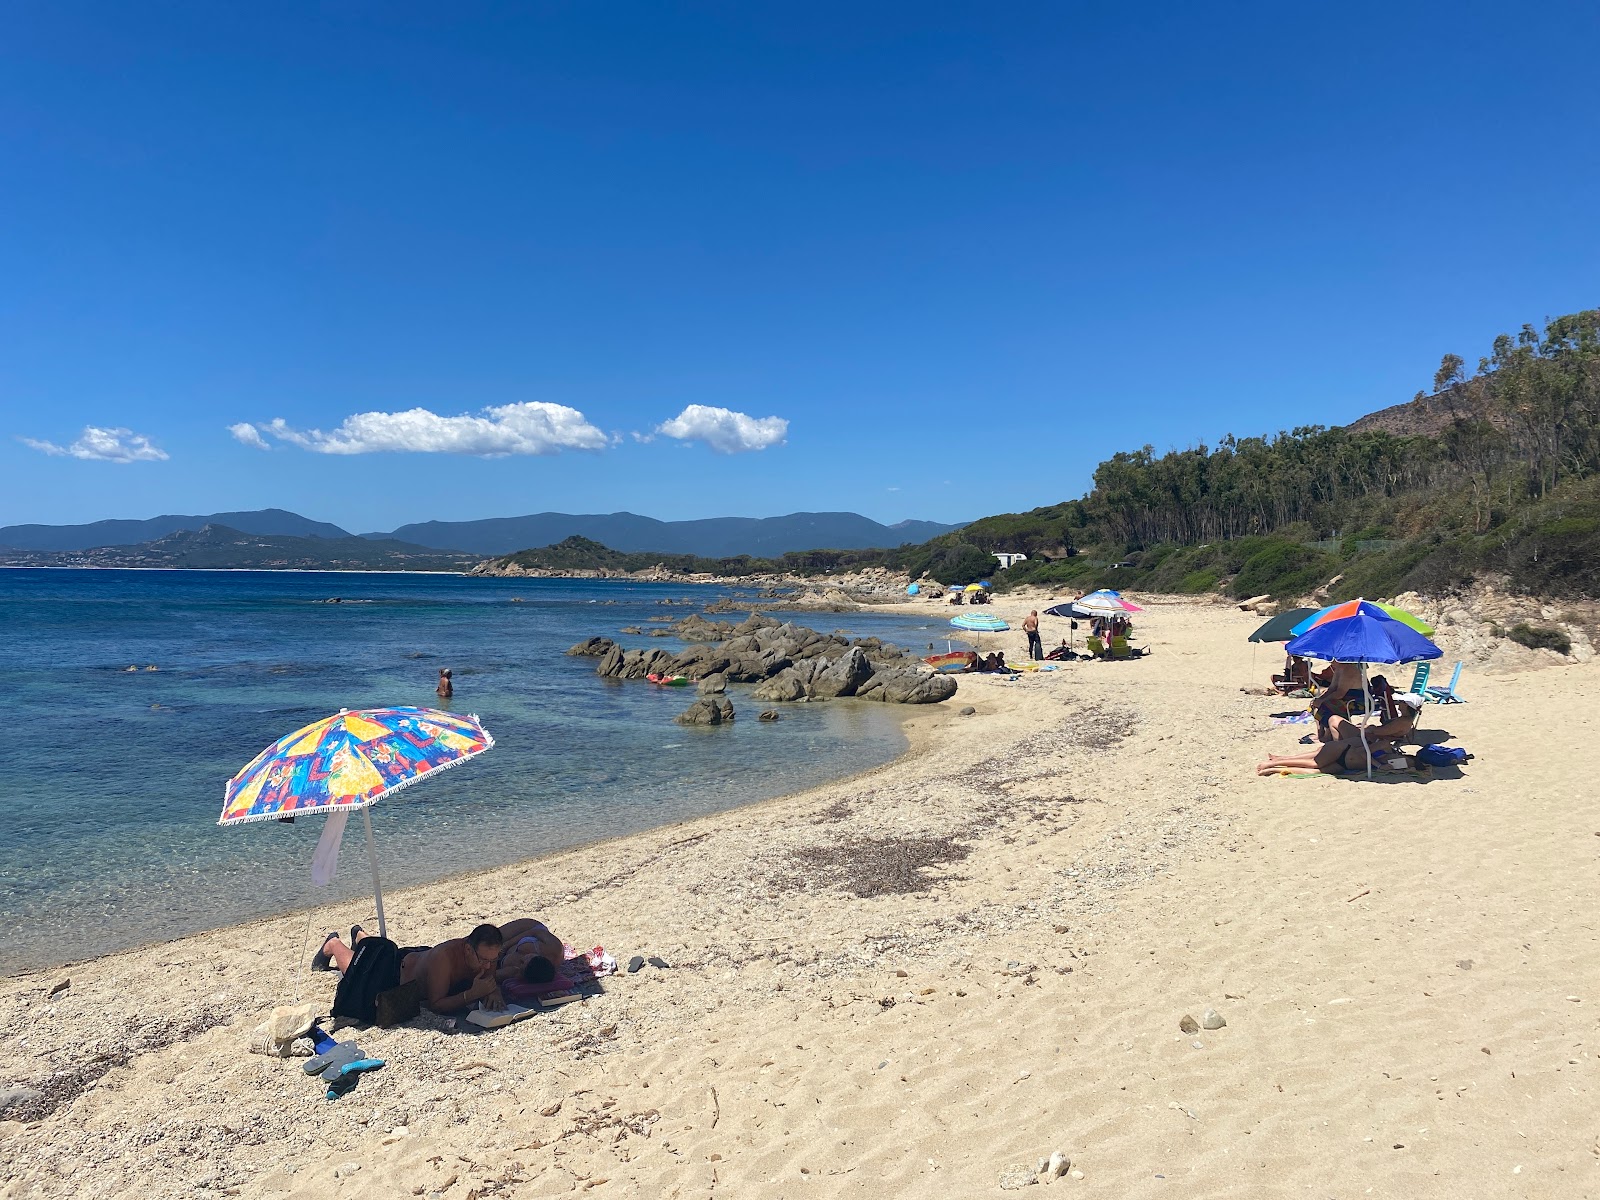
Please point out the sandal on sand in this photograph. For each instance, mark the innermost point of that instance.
(320, 960)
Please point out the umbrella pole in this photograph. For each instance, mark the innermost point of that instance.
(1367, 712)
(372, 860)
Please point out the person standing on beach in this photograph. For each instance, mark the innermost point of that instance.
(1030, 626)
(446, 689)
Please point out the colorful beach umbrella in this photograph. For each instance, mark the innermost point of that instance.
(1366, 635)
(1372, 608)
(1281, 627)
(350, 761)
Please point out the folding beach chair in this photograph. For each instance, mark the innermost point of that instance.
(1119, 647)
(1448, 694)
(1419, 681)
(1096, 647)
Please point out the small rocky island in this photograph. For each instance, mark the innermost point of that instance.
(787, 662)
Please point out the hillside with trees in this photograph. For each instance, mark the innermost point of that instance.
(1496, 472)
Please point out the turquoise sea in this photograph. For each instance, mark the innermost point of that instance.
(112, 779)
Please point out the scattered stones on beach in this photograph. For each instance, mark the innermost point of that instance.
(966, 711)
(1188, 1024)
(59, 988)
(1211, 1019)
(1056, 1166)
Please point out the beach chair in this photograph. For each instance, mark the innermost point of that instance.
(1119, 647)
(1446, 694)
(1096, 646)
(1419, 681)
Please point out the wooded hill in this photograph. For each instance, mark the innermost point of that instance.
(1497, 473)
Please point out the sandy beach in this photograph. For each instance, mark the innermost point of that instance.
(919, 980)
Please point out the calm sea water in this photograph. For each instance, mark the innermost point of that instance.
(111, 782)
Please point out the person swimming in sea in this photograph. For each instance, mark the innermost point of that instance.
(446, 689)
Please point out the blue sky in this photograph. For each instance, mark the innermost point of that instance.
(923, 260)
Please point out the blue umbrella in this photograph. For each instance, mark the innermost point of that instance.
(1369, 635)
(979, 624)
(1364, 638)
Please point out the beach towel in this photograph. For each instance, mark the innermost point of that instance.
(581, 970)
(375, 968)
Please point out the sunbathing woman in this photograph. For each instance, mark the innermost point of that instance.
(1331, 757)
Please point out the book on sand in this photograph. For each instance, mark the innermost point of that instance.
(494, 1018)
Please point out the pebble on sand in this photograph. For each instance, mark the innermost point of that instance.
(1211, 1019)
(1019, 1176)
(1188, 1024)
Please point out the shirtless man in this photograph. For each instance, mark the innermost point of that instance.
(454, 975)
(458, 973)
(1030, 626)
(446, 688)
(531, 952)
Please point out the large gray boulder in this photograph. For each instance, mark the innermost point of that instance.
(708, 710)
(843, 676)
(713, 685)
(785, 685)
(610, 664)
(908, 686)
(595, 647)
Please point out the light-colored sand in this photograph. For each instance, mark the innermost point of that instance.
(1410, 973)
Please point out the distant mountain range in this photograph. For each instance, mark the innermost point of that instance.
(717, 537)
(218, 547)
(271, 521)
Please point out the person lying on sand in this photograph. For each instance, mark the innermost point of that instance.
(454, 975)
(531, 952)
(1331, 757)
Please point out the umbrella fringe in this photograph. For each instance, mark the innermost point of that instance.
(488, 744)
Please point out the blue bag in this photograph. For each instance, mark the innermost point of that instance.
(1442, 756)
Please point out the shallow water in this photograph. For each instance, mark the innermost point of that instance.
(112, 783)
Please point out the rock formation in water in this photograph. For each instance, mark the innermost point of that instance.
(787, 662)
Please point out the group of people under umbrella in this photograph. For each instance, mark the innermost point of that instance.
(1351, 637)
(1110, 625)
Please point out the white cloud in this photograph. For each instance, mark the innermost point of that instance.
(104, 445)
(529, 428)
(724, 430)
(249, 435)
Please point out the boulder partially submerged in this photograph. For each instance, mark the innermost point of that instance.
(787, 662)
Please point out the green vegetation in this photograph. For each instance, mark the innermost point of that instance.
(1541, 637)
(1497, 473)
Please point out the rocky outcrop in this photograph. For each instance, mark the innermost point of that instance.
(708, 710)
(786, 662)
(908, 686)
(843, 676)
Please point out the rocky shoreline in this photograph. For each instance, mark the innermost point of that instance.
(786, 662)
(784, 592)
